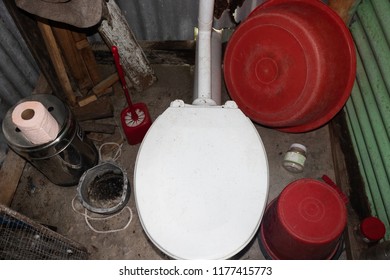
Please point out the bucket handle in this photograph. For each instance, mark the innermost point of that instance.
(333, 185)
(87, 218)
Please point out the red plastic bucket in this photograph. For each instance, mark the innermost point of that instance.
(291, 65)
(305, 222)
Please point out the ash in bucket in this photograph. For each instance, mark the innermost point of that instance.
(105, 191)
(104, 188)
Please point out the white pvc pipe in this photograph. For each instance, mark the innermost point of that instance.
(196, 90)
(216, 65)
(203, 68)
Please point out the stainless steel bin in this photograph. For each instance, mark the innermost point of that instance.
(62, 160)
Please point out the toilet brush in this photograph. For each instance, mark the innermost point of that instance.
(135, 118)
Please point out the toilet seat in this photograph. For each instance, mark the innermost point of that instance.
(201, 181)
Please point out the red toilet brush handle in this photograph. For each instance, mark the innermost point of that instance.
(121, 75)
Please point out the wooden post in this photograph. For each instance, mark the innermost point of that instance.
(58, 63)
(73, 59)
(115, 30)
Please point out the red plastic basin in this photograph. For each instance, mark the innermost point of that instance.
(291, 65)
(305, 222)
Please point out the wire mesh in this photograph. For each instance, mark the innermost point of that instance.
(23, 239)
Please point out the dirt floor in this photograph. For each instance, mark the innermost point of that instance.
(39, 199)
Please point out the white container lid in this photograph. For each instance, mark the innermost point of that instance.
(299, 146)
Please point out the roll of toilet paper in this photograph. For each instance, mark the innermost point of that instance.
(35, 122)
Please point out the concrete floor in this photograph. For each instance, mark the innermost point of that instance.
(49, 204)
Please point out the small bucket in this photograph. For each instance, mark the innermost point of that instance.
(104, 189)
(305, 222)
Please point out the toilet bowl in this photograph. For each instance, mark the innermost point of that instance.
(201, 173)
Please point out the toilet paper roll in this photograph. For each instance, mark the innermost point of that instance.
(35, 122)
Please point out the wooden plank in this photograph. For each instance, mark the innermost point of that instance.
(99, 109)
(185, 45)
(88, 57)
(10, 174)
(56, 58)
(86, 100)
(73, 58)
(157, 52)
(101, 88)
(115, 30)
(93, 126)
(82, 44)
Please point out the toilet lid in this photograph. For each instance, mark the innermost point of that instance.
(201, 182)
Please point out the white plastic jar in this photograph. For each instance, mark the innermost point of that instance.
(294, 159)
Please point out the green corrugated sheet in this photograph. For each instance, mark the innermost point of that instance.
(368, 109)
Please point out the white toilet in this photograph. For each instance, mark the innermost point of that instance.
(201, 179)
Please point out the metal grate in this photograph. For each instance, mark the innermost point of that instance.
(24, 239)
